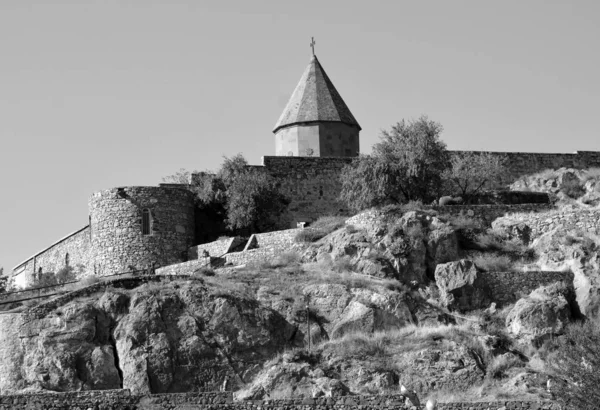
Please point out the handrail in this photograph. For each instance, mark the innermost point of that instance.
(6, 302)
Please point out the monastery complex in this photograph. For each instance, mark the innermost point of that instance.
(131, 228)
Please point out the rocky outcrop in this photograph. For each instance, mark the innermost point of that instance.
(460, 286)
(407, 248)
(580, 253)
(292, 375)
(542, 314)
(564, 183)
(176, 337)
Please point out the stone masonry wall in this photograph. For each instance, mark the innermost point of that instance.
(216, 248)
(567, 220)
(116, 224)
(123, 399)
(185, 268)
(484, 213)
(524, 163)
(74, 249)
(280, 240)
(508, 287)
(311, 183)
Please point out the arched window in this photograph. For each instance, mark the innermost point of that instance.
(67, 259)
(146, 221)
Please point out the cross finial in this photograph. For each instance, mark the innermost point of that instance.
(312, 45)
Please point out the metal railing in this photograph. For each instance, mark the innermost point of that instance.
(40, 289)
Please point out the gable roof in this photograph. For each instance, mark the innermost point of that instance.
(315, 99)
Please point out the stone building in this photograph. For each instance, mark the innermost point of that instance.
(133, 228)
(316, 122)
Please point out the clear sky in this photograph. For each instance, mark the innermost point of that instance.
(105, 93)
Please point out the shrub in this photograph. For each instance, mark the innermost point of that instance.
(329, 223)
(498, 366)
(342, 264)
(309, 235)
(572, 189)
(320, 228)
(280, 261)
(351, 229)
(205, 271)
(493, 262)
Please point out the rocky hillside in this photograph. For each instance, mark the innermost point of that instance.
(392, 297)
(567, 184)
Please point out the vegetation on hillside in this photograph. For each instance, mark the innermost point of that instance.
(3, 280)
(411, 163)
(243, 197)
(573, 363)
(470, 172)
(405, 165)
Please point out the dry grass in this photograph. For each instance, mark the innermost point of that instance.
(493, 262)
(320, 228)
(463, 222)
(289, 280)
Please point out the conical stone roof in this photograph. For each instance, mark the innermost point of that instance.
(315, 99)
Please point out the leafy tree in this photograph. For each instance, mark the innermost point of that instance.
(245, 197)
(180, 177)
(254, 202)
(407, 164)
(3, 281)
(470, 172)
(574, 366)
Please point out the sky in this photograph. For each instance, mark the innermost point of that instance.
(107, 93)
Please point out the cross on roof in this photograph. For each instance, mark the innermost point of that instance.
(312, 45)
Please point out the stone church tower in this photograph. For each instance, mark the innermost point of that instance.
(316, 122)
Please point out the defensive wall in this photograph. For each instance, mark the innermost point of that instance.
(484, 213)
(72, 250)
(524, 163)
(567, 220)
(113, 241)
(215, 248)
(123, 399)
(313, 184)
(508, 287)
(137, 227)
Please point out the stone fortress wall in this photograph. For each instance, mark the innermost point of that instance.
(313, 185)
(116, 217)
(73, 250)
(568, 220)
(508, 287)
(114, 243)
(123, 399)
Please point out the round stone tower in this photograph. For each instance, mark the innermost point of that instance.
(316, 121)
(137, 227)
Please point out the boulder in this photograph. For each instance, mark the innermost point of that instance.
(511, 229)
(542, 314)
(460, 286)
(407, 249)
(358, 318)
(579, 253)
